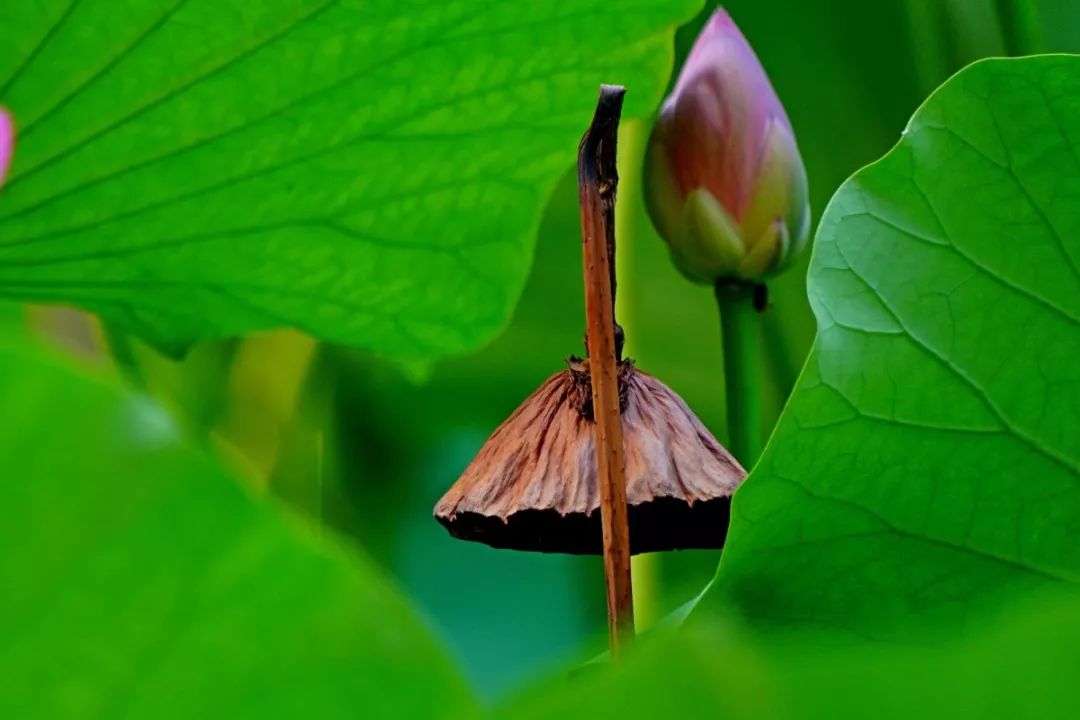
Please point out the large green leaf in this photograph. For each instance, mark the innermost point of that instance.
(926, 468)
(372, 172)
(141, 581)
(1023, 667)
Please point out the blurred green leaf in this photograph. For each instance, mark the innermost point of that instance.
(1024, 668)
(370, 172)
(926, 468)
(1059, 24)
(141, 581)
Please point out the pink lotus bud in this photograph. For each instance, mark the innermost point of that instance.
(7, 142)
(724, 181)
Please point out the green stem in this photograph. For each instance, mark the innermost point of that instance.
(742, 373)
(930, 42)
(1021, 27)
(631, 149)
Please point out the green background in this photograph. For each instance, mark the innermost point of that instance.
(370, 438)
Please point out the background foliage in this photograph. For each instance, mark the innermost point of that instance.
(194, 170)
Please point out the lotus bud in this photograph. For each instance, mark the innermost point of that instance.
(7, 142)
(724, 182)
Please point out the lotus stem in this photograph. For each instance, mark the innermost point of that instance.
(740, 304)
(1020, 27)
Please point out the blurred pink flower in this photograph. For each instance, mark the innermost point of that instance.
(724, 180)
(7, 142)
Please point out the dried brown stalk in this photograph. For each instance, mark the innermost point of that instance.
(597, 182)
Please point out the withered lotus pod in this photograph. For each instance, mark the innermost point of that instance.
(533, 485)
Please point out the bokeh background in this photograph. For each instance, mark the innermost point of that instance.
(364, 446)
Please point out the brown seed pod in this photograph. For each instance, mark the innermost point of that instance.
(533, 484)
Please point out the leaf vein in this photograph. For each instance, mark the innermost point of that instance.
(42, 43)
(979, 392)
